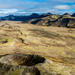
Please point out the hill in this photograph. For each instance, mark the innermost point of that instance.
(46, 19)
(64, 20)
(55, 44)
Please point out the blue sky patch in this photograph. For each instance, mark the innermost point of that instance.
(37, 6)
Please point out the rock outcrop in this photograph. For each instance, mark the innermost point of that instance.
(21, 61)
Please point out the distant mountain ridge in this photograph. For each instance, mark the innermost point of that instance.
(47, 19)
(73, 15)
(21, 17)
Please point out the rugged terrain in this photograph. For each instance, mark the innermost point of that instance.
(45, 19)
(55, 44)
(65, 20)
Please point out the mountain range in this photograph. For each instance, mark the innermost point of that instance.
(47, 19)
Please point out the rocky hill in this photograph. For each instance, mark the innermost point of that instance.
(65, 20)
(45, 21)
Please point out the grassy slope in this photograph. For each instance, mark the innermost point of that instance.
(56, 44)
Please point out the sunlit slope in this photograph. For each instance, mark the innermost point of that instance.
(56, 44)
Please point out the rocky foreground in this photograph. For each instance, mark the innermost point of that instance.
(22, 44)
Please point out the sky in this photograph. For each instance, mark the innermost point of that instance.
(36, 6)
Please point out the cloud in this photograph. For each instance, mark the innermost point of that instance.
(38, 6)
(17, 4)
(6, 11)
(73, 6)
(63, 1)
(62, 7)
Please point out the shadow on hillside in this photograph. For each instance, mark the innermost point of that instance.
(24, 62)
(43, 33)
